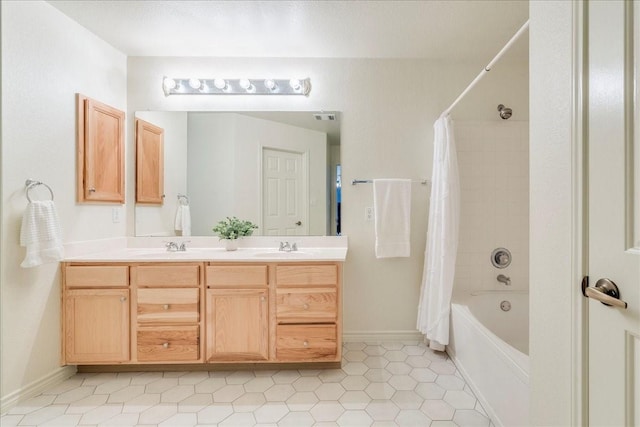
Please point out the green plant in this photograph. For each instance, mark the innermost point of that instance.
(233, 228)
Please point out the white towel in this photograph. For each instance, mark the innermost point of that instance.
(40, 233)
(183, 220)
(392, 215)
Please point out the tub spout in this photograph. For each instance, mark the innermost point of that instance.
(504, 279)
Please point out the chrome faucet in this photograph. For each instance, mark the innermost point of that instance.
(172, 247)
(504, 279)
(286, 247)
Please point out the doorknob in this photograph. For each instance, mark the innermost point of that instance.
(299, 223)
(604, 291)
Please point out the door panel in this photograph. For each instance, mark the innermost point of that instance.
(283, 193)
(614, 332)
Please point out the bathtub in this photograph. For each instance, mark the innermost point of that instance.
(490, 348)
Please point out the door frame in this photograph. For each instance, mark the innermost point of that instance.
(558, 382)
(305, 182)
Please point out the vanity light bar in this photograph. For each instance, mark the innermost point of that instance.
(191, 86)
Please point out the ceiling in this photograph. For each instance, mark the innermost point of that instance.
(453, 30)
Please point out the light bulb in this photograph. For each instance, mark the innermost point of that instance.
(220, 84)
(270, 84)
(245, 84)
(295, 84)
(195, 83)
(169, 83)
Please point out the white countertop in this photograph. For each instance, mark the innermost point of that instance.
(214, 254)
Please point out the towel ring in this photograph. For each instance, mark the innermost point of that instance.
(181, 197)
(30, 183)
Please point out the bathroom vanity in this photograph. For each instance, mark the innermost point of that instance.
(203, 306)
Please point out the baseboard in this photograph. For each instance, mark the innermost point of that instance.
(381, 336)
(36, 387)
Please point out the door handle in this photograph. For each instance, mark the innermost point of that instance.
(604, 291)
(299, 223)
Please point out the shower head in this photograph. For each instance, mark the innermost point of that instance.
(505, 112)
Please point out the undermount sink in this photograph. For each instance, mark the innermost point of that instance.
(163, 253)
(279, 254)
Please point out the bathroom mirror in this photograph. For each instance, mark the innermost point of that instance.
(280, 170)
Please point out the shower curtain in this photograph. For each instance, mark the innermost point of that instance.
(442, 239)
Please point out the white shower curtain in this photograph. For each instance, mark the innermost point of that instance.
(442, 239)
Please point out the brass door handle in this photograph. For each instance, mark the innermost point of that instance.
(604, 291)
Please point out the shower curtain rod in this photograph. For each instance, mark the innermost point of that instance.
(488, 67)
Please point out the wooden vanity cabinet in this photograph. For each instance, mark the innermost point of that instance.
(199, 312)
(167, 326)
(237, 312)
(95, 314)
(308, 314)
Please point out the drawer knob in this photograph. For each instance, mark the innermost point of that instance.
(165, 345)
(306, 343)
(166, 306)
(123, 299)
(306, 306)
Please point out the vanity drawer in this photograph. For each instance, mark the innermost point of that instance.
(306, 342)
(163, 305)
(168, 343)
(307, 275)
(96, 276)
(306, 305)
(166, 275)
(220, 276)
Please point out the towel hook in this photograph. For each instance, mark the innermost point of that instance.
(31, 183)
(183, 198)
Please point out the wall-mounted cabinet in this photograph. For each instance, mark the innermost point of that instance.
(149, 163)
(100, 152)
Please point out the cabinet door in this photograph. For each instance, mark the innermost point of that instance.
(100, 152)
(149, 163)
(237, 324)
(96, 325)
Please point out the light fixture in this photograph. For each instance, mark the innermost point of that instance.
(219, 86)
(270, 84)
(195, 83)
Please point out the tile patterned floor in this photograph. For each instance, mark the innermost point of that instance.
(380, 384)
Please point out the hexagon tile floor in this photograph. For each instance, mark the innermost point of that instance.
(380, 384)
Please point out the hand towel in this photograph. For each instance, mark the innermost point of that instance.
(40, 233)
(183, 220)
(392, 217)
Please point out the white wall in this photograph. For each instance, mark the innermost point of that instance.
(388, 109)
(46, 59)
(159, 220)
(211, 150)
(493, 159)
(551, 222)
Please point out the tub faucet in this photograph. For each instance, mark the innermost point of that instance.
(504, 279)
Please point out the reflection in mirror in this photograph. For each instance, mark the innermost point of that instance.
(280, 170)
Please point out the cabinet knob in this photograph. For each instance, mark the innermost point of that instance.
(306, 343)
(306, 306)
(262, 298)
(92, 190)
(123, 299)
(165, 345)
(166, 306)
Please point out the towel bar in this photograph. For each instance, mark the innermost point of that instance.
(31, 183)
(370, 181)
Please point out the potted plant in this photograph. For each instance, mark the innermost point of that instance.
(231, 229)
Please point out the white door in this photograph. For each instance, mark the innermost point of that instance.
(283, 193)
(613, 216)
